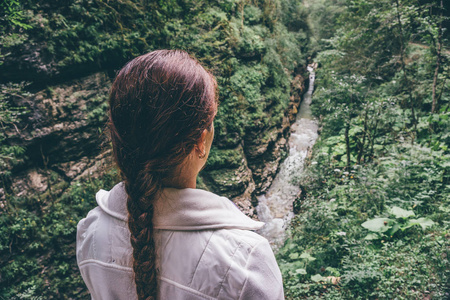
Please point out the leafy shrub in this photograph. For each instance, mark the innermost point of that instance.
(37, 241)
(10, 154)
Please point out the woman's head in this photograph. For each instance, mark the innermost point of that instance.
(162, 106)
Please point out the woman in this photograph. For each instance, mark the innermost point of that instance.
(154, 236)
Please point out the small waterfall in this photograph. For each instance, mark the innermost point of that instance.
(275, 208)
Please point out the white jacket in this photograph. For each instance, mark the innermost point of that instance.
(205, 249)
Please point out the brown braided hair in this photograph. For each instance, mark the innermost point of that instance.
(160, 104)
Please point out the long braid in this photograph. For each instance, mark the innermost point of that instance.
(142, 191)
(160, 103)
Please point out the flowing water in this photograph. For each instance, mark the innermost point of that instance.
(275, 208)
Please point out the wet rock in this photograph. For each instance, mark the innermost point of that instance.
(62, 123)
(265, 166)
(229, 182)
(28, 62)
(87, 166)
(246, 201)
(37, 183)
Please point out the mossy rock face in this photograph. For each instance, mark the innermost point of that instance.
(62, 122)
(228, 182)
(55, 40)
(224, 158)
(245, 45)
(40, 185)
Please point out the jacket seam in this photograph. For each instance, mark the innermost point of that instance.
(104, 264)
(186, 288)
(208, 227)
(246, 268)
(94, 240)
(228, 271)
(200, 259)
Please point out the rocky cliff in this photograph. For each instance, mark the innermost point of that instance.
(57, 62)
(63, 131)
(53, 126)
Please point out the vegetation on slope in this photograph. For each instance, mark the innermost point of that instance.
(373, 219)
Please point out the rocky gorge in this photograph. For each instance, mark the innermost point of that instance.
(57, 63)
(63, 131)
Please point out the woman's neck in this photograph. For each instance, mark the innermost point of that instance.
(181, 183)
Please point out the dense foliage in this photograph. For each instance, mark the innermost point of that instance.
(37, 241)
(372, 222)
(252, 47)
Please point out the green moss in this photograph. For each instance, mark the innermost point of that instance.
(224, 158)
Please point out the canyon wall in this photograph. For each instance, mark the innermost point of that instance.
(63, 131)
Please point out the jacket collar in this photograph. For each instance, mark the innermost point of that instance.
(182, 209)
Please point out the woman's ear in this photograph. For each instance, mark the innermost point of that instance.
(200, 147)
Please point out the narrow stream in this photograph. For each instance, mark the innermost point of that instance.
(275, 208)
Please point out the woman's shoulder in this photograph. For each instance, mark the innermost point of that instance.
(221, 247)
(103, 235)
(239, 241)
(218, 263)
(253, 268)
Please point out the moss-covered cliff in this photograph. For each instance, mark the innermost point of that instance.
(68, 55)
(57, 61)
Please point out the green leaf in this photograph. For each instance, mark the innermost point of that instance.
(444, 209)
(300, 271)
(372, 236)
(333, 271)
(400, 212)
(307, 256)
(394, 229)
(317, 278)
(423, 222)
(293, 255)
(377, 224)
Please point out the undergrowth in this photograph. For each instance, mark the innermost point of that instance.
(37, 241)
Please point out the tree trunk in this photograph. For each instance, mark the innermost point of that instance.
(361, 149)
(347, 143)
(372, 137)
(405, 76)
(438, 62)
(443, 84)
